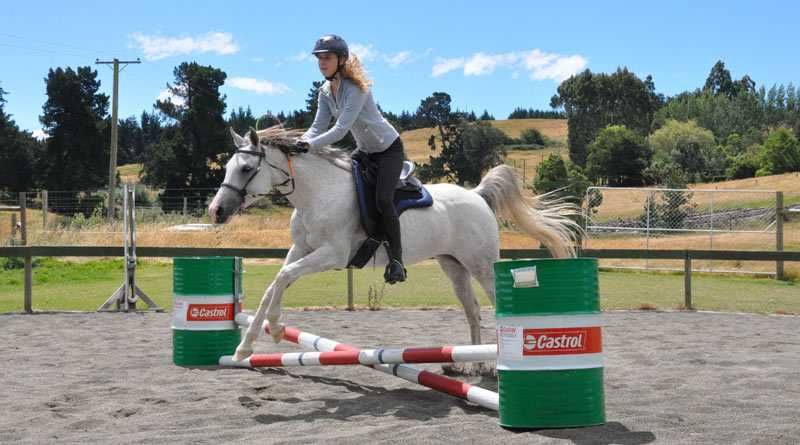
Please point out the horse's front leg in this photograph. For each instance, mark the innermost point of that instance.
(245, 348)
(325, 258)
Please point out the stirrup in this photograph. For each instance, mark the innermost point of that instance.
(395, 272)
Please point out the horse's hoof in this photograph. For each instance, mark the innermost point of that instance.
(277, 331)
(479, 369)
(242, 353)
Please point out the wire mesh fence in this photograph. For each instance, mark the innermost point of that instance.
(166, 217)
(651, 218)
(617, 218)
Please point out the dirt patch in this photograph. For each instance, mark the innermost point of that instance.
(669, 378)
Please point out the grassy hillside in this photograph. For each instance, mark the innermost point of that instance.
(129, 172)
(416, 145)
(626, 204)
(553, 129)
(416, 141)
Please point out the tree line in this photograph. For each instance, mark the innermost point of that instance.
(183, 143)
(622, 132)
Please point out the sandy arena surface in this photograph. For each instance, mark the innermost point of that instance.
(108, 378)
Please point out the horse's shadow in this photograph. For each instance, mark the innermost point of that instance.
(371, 400)
(420, 405)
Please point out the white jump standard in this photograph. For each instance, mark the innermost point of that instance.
(483, 397)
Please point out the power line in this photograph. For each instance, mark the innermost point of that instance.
(56, 44)
(41, 50)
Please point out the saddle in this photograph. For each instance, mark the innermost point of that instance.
(409, 193)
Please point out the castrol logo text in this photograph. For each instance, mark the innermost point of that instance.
(210, 312)
(555, 341)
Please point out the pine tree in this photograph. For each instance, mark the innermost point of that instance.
(242, 120)
(312, 102)
(77, 149)
(17, 154)
(193, 153)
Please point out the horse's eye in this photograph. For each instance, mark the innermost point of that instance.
(247, 169)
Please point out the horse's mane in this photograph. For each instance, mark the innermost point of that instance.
(284, 139)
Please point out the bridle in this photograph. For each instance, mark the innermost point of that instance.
(262, 158)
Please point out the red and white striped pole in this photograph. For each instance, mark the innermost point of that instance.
(483, 397)
(443, 354)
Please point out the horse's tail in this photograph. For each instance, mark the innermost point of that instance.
(545, 217)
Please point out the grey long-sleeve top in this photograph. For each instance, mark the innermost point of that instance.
(355, 111)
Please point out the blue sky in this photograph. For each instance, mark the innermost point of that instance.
(487, 55)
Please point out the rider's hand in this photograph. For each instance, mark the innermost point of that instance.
(358, 155)
(301, 146)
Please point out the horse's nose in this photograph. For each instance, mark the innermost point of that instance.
(219, 215)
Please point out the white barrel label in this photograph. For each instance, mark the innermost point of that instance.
(203, 313)
(549, 342)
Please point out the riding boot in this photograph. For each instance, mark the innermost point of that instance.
(395, 271)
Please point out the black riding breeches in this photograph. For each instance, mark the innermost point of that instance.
(390, 164)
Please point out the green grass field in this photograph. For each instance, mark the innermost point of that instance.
(83, 286)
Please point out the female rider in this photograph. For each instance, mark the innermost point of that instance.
(346, 96)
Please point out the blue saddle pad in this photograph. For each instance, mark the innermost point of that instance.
(404, 198)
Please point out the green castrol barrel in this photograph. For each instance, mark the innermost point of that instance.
(549, 337)
(206, 297)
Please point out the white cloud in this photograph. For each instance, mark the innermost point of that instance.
(481, 64)
(368, 52)
(560, 68)
(40, 134)
(167, 96)
(539, 64)
(364, 52)
(299, 57)
(399, 59)
(257, 59)
(160, 47)
(258, 86)
(536, 59)
(443, 66)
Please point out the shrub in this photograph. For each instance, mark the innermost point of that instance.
(532, 136)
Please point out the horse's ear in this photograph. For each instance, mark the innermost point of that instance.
(253, 137)
(238, 141)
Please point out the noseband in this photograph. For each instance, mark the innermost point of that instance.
(242, 192)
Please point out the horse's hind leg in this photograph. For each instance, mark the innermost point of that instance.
(462, 284)
(460, 277)
(483, 271)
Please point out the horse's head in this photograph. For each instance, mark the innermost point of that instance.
(247, 178)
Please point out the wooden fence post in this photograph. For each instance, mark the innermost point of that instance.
(779, 233)
(44, 209)
(23, 210)
(687, 281)
(350, 292)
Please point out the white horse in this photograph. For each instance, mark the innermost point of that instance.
(460, 230)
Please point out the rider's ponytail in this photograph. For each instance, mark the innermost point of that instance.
(354, 71)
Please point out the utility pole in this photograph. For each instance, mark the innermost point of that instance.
(112, 162)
